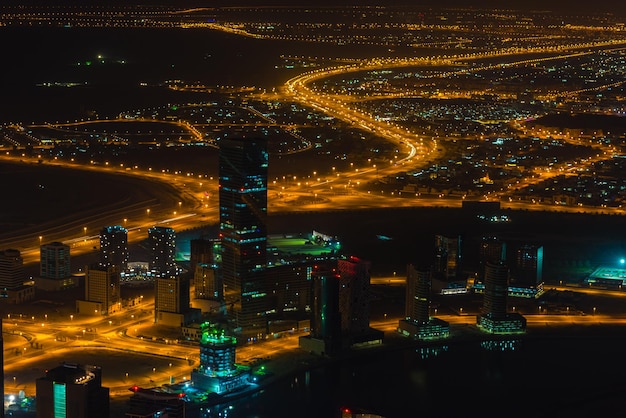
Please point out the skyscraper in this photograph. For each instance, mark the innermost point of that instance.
(325, 316)
(11, 269)
(243, 227)
(217, 371)
(54, 260)
(417, 322)
(201, 252)
(72, 391)
(162, 244)
(492, 250)
(496, 290)
(448, 256)
(206, 284)
(171, 299)
(494, 317)
(102, 290)
(114, 247)
(528, 270)
(418, 294)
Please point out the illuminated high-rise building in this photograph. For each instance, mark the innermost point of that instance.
(203, 262)
(114, 247)
(448, 257)
(496, 289)
(72, 391)
(54, 261)
(171, 299)
(217, 371)
(206, 284)
(325, 315)
(162, 244)
(243, 228)
(417, 304)
(102, 290)
(494, 317)
(11, 269)
(417, 322)
(354, 295)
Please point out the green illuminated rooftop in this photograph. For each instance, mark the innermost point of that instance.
(214, 335)
(302, 244)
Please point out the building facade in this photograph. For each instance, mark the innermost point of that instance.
(114, 247)
(72, 391)
(54, 261)
(11, 269)
(494, 317)
(162, 244)
(417, 304)
(243, 228)
(447, 257)
(102, 290)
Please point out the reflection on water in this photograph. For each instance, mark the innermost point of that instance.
(477, 378)
(501, 345)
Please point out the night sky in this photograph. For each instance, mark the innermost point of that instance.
(574, 6)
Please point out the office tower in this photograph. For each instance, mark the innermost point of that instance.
(171, 296)
(354, 295)
(201, 252)
(417, 322)
(418, 294)
(114, 247)
(72, 391)
(496, 289)
(54, 260)
(494, 317)
(447, 257)
(102, 290)
(217, 350)
(206, 284)
(11, 269)
(162, 244)
(325, 316)
(528, 270)
(217, 371)
(492, 250)
(243, 227)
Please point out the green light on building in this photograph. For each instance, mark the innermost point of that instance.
(213, 335)
(59, 402)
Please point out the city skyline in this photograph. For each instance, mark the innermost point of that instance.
(460, 164)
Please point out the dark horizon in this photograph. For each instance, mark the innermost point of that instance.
(574, 7)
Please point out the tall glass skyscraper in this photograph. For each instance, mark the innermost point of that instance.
(243, 227)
